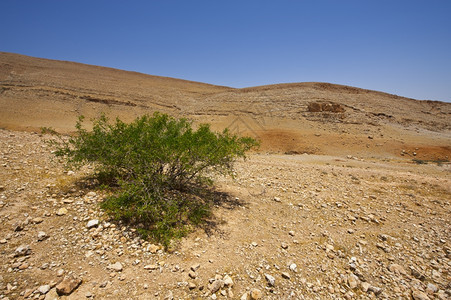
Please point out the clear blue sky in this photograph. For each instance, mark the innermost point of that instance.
(396, 46)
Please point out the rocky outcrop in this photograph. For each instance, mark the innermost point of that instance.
(325, 107)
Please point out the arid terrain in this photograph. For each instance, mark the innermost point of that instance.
(315, 118)
(348, 197)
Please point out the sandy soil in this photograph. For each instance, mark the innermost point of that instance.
(324, 227)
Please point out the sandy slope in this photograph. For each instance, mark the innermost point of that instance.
(302, 118)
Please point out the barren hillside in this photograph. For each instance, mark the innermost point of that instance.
(317, 118)
(349, 197)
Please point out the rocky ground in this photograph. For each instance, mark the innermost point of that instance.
(292, 227)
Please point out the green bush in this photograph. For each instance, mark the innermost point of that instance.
(159, 164)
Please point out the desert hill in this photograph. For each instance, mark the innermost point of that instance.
(309, 117)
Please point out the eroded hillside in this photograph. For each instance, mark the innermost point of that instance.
(295, 118)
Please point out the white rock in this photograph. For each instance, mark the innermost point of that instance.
(216, 286)
(228, 281)
(42, 236)
(271, 280)
(61, 211)
(353, 281)
(91, 194)
(150, 267)
(22, 250)
(92, 223)
(44, 289)
(116, 267)
(245, 296)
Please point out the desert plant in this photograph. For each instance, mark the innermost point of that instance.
(159, 165)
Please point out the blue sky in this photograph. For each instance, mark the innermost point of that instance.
(395, 46)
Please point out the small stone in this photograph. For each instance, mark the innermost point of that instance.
(191, 285)
(353, 281)
(24, 266)
(284, 245)
(228, 282)
(286, 275)
(3, 241)
(216, 285)
(115, 267)
(150, 267)
(436, 275)
(431, 288)
(27, 293)
(42, 236)
(60, 273)
(376, 290)
(245, 296)
(417, 295)
(52, 295)
(91, 194)
(92, 223)
(397, 269)
(291, 232)
(153, 248)
(271, 280)
(44, 289)
(62, 211)
(195, 267)
(255, 294)
(383, 237)
(18, 227)
(364, 286)
(293, 267)
(22, 251)
(37, 220)
(383, 247)
(192, 274)
(68, 285)
(277, 199)
(417, 274)
(88, 295)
